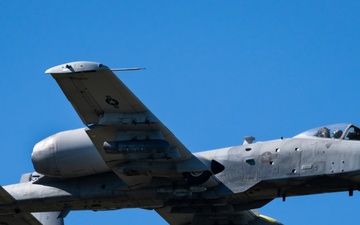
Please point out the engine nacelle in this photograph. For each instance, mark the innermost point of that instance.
(68, 154)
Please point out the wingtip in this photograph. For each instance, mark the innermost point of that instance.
(74, 67)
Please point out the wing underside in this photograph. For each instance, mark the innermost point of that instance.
(246, 217)
(143, 152)
(129, 137)
(10, 214)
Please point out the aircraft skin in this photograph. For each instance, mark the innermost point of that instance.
(126, 158)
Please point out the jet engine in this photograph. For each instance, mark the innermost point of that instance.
(68, 154)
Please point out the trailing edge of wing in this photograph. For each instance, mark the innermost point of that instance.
(251, 217)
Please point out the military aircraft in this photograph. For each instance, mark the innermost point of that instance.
(126, 158)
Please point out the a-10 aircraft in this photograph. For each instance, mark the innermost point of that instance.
(126, 158)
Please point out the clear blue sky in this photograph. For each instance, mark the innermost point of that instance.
(216, 71)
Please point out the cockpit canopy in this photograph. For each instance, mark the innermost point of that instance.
(336, 131)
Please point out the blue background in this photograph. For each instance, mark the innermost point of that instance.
(216, 71)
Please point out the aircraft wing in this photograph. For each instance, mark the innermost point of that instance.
(10, 214)
(251, 217)
(131, 140)
(142, 151)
